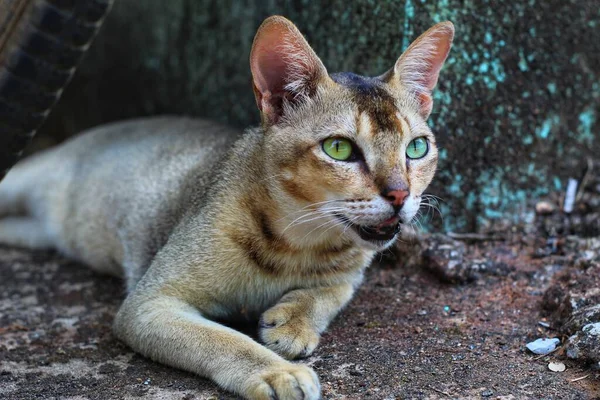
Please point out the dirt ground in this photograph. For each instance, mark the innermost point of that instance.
(437, 319)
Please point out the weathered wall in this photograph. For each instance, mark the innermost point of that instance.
(517, 105)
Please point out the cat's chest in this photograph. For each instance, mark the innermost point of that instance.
(256, 296)
(267, 287)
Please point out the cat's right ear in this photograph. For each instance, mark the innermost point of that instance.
(284, 67)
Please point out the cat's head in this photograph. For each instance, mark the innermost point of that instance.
(346, 155)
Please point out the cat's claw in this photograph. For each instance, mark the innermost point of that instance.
(286, 382)
(287, 333)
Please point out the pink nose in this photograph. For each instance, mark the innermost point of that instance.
(396, 197)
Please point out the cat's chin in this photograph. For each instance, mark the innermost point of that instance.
(375, 244)
(375, 237)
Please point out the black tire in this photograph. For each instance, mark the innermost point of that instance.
(41, 43)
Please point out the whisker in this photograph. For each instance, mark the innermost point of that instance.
(415, 221)
(420, 214)
(271, 177)
(338, 224)
(433, 208)
(349, 224)
(433, 196)
(307, 206)
(308, 214)
(433, 202)
(318, 213)
(322, 225)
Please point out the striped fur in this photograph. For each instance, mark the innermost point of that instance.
(207, 225)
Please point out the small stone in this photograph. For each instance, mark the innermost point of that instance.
(592, 329)
(543, 346)
(444, 257)
(487, 393)
(544, 208)
(585, 344)
(582, 317)
(556, 366)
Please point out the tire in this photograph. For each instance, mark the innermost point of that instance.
(41, 44)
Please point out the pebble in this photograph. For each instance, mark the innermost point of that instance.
(556, 366)
(543, 346)
(585, 344)
(444, 257)
(544, 208)
(487, 393)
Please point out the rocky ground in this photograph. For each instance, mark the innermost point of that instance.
(440, 317)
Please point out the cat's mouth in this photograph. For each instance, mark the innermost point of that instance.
(383, 232)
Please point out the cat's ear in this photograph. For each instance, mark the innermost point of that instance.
(284, 66)
(419, 66)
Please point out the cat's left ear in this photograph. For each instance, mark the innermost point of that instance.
(284, 66)
(419, 66)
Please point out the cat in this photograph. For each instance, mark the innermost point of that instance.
(276, 225)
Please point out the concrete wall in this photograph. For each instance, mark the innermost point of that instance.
(516, 110)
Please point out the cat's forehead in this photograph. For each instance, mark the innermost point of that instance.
(372, 99)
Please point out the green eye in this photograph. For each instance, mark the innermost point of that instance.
(417, 148)
(338, 148)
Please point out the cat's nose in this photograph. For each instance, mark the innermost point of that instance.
(395, 196)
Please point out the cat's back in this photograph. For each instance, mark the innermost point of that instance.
(125, 160)
(124, 184)
(156, 138)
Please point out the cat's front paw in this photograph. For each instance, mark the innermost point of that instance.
(285, 381)
(287, 332)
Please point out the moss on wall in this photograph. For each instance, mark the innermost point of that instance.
(516, 110)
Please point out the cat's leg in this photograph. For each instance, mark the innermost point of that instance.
(293, 326)
(134, 260)
(167, 329)
(24, 232)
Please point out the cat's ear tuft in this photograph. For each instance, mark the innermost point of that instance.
(284, 67)
(419, 67)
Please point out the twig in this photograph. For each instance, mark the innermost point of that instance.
(440, 391)
(580, 378)
(474, 236)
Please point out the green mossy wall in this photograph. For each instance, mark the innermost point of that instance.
(516, 111)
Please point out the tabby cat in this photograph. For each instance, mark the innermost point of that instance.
(276, 225)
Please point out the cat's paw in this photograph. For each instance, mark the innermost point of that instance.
(287, 332)
(285, 381)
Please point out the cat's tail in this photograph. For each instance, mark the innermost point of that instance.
(25, 202)
(16, 188)
(22, 192)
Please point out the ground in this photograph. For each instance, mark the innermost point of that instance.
(438, 318)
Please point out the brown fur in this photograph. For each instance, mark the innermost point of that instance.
(206, 225)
